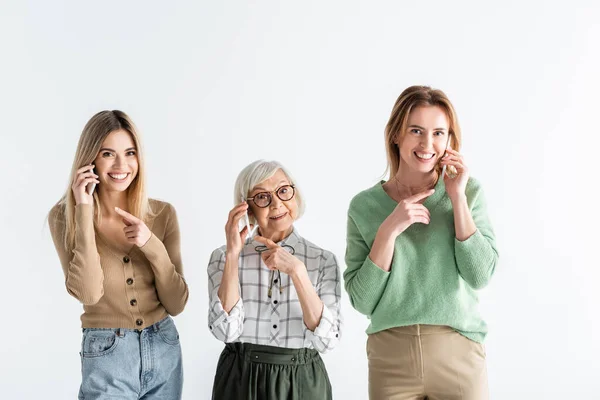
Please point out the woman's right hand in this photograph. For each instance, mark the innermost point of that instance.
(408, 211)
(235, 238)
(85, 176)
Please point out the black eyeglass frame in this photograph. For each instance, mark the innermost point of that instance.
(276, 191)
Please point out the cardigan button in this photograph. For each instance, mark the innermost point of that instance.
(133, 302)
(129, 281)
(125, 259)
(139, 322)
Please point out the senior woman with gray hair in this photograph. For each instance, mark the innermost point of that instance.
(274, 297)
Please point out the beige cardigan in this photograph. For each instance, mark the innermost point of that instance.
(122, 290)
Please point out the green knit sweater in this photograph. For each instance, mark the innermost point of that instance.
(434, 277)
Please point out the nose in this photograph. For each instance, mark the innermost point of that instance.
(119, 162)
(426, 141)
(275, 202)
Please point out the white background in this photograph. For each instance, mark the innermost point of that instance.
(214, 85)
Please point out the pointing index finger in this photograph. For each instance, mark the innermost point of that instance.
(267, 242)
(126, 215)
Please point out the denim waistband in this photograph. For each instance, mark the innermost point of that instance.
(122, 331)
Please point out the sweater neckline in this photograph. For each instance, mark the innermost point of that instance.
(431, 202)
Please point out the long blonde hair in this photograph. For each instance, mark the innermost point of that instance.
(410, 98)
(90, 142)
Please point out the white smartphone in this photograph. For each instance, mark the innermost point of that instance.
(247, 221)
(451, 171)
(91, 186)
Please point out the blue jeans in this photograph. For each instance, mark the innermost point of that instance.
(131, 364)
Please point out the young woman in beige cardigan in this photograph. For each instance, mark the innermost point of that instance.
(120, 253)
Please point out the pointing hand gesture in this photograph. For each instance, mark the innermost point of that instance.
(135, 229)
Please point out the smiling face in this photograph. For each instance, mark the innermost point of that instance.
(425, 139)
(117, 162)
(275, 221)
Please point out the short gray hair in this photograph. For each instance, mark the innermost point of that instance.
(259, 171)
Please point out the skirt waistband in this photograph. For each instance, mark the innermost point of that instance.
(271, 354)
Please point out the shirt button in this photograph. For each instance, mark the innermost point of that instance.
(274, 326)
(133, 302)
(125, 259)
(129, 281)
(275, 281)
(139, 322)
(274, 301)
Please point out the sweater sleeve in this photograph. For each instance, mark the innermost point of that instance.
(364, 281)
(81, 266)
(477, 256)
(165, 259)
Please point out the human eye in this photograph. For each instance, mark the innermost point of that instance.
(262, 196)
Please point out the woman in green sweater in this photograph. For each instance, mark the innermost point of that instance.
(419, 246)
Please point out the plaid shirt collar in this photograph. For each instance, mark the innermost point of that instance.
(291, 240)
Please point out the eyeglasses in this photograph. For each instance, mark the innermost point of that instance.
(264, 199)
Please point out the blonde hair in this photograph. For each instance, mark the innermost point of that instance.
(412, 97)
(90, 142)
(258, 172)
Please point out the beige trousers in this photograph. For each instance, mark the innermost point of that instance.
(421, 362)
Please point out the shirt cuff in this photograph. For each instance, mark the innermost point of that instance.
(326, 328)
(219, 315)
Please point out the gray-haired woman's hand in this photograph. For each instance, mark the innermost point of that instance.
(235, 237)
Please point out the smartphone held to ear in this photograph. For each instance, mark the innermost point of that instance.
(91, 186)
(247, 221)
(451, 171)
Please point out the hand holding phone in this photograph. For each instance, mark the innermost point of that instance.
(452, 173)
(247, 221)
(91, 186)
(81, 185)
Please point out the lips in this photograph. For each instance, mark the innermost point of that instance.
(120, 177)
(278, 216)
(424, 156)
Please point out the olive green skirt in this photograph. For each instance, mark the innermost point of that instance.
(255, 372)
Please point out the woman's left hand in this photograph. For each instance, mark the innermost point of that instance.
(278, 258)
(135, 229)
(455, 187)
